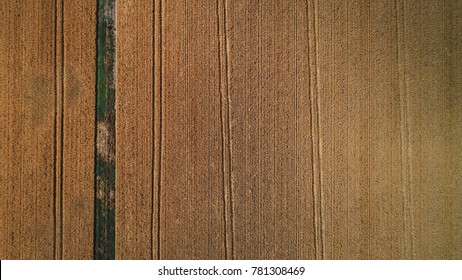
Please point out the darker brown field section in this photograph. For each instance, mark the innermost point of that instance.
(244, 129)
(47, 108)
